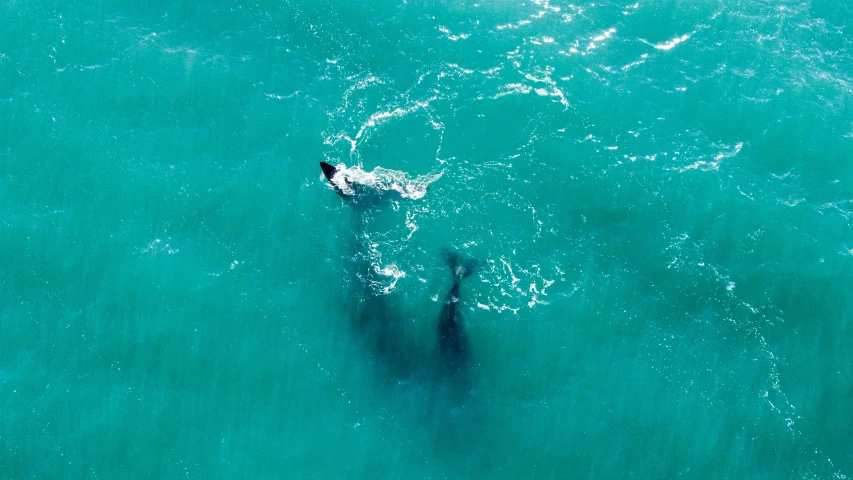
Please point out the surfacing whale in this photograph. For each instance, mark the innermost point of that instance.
(454, 351)
(376, 324)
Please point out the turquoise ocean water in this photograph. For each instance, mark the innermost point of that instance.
(660, 194)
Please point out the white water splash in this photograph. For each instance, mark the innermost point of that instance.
(383, 179)
(669, 45)
(393, 272)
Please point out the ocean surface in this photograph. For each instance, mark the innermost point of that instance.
(659, 194)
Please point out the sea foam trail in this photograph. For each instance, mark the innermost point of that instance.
(348, 179)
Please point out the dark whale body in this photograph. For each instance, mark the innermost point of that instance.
(454, 346)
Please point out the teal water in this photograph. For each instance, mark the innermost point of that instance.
(660, 193)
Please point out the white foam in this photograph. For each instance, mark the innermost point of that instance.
(391, 271)
(383, 179)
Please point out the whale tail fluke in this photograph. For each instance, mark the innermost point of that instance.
(460, 266)
(328, 170)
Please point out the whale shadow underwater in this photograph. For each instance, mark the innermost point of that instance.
(445, 369)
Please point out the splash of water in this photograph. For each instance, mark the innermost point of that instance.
(351, 180)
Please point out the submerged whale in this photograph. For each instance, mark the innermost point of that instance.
(454, 347)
